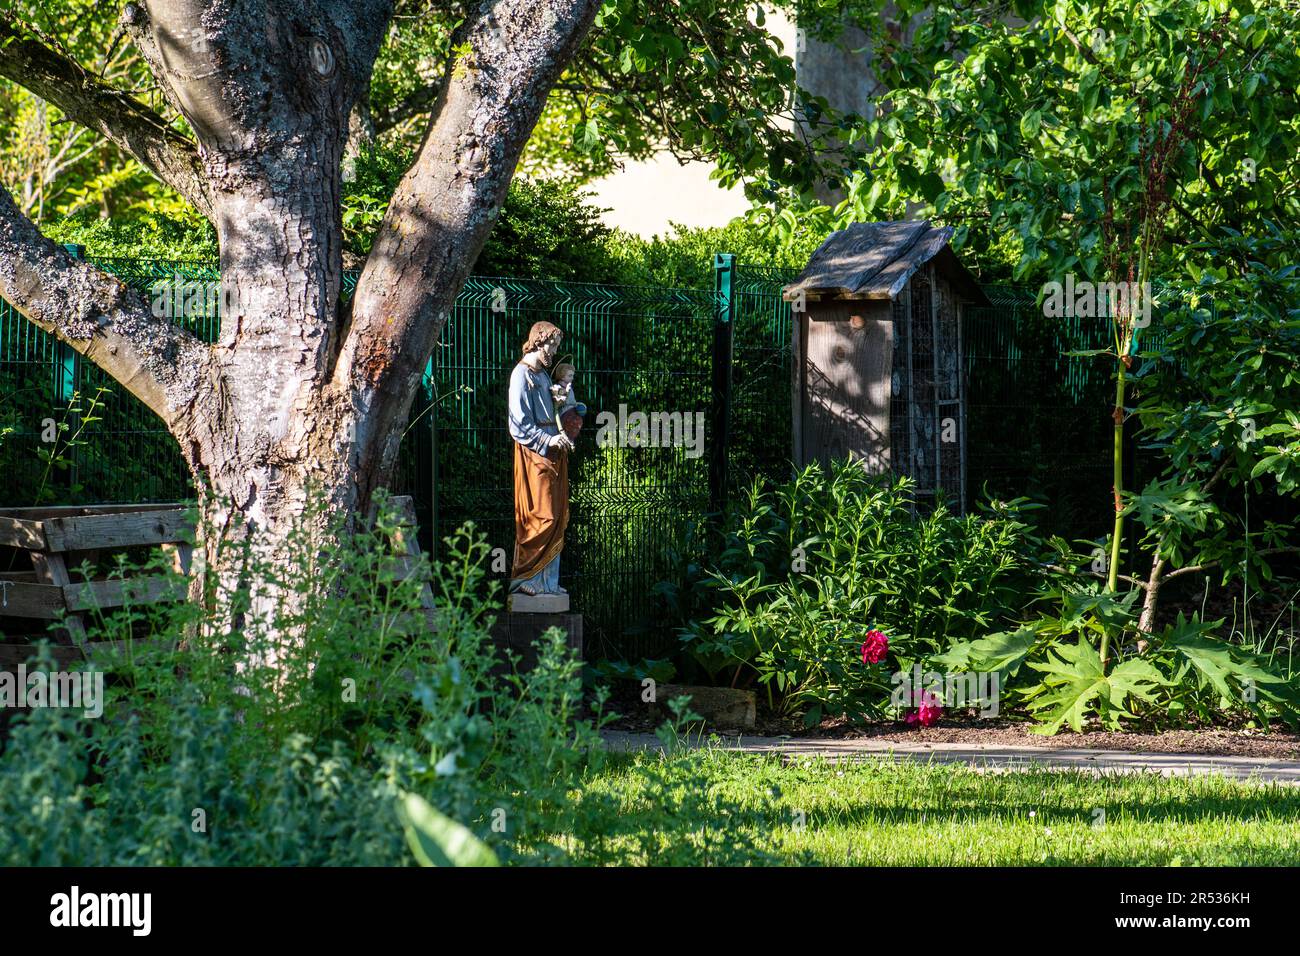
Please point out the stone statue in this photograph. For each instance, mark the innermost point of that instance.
(542, 442)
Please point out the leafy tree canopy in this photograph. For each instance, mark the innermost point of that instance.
(702, 78)
(1073, 135)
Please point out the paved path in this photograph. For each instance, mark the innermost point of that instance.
(996, 758)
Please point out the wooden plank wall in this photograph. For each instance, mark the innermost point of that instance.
(847, 351)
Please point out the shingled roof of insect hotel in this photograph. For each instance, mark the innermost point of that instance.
(875, 260)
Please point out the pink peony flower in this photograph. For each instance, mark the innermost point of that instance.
(928, 714)
(874, 647)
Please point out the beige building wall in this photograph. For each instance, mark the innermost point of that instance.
(645, 197)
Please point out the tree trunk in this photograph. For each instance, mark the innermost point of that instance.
(1151, 597)
(258, 558)
(295, 415)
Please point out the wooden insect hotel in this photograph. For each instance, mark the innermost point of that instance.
(879, 372)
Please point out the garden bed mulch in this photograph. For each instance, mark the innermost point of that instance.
(1274, 744)
(1223, 742)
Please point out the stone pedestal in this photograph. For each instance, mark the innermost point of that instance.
(519, 632)
(538, 604)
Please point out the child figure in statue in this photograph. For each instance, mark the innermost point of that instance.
(568, 410)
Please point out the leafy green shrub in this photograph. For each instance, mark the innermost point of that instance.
(208, 755)
(548, 230)
(684, 257)
(809, 567)
(149, 237)
(1177, 676)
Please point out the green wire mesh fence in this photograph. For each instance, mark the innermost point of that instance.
(636, 351)
(1039, 418)
(1038, 421)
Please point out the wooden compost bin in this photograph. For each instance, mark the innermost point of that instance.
(55, 541)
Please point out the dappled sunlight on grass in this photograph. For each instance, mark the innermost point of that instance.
(880, 813)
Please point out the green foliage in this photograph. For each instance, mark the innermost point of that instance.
(437, 840)
(214, 755)
(1218, 408)
(661, 671)
(547, 230)
(672, 733)
(684, 258)
(1177, 99)
(58, 456)
(1075, 685)
(377, 739)
(1180, 676)
(704, 79)
(52, 166)
(1213, 677)
(808, 567)
(1002, 652)
(147, 236)
(369, 180)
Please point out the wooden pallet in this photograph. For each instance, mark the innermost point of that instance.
(59, 539)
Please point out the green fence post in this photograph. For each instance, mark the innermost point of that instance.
(433, 457)
(65, 356)
(724, 276)
(66, 361)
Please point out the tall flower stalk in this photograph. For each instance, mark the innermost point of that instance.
(1168, 132)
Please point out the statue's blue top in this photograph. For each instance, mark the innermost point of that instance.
(532, 410)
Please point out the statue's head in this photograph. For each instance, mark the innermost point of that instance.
(545, 338)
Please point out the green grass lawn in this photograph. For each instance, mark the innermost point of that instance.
(714, 806)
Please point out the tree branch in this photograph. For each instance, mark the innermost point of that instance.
(113, 326)
(1192, 569)
(1061, 569)
(111, 113)
(445, 205)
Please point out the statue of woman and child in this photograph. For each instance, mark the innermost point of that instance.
(545, 417)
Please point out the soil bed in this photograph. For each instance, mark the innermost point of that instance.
(1278, 744)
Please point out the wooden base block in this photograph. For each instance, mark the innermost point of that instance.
(719, 706)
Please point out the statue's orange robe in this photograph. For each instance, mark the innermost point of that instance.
(541, 509)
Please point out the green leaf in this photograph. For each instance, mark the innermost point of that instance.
(586, 136)
(1220, 665)
(438, 840)
(1003, 652)
(931, 186)
(1075, 687)
(1264, 465)
(813, 717)
(1030, 123)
